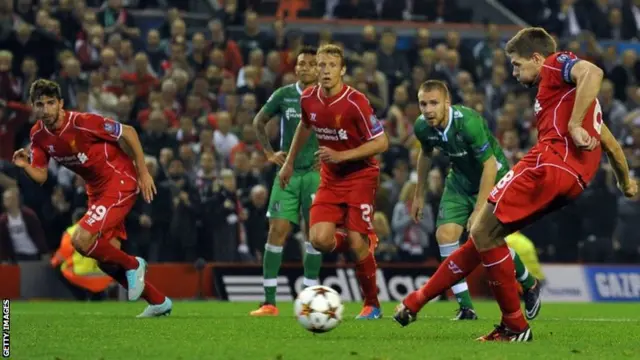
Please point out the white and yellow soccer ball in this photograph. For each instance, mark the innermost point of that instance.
(318, 309)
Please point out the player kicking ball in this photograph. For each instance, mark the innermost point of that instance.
(349, 136)
(477, 163)
(88, 145)
(286, 204)
(552, 174)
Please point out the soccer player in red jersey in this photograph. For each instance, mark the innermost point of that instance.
(88, 145)
(552, 174)
(349, 135)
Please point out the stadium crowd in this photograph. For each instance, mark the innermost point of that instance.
(192, 96)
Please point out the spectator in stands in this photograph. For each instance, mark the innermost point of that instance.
(391, 61)
(116, 20)
(21, 234)
(411, 239)
(225, 214)
(257, 223)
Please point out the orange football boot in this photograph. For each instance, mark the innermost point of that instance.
(265, 310)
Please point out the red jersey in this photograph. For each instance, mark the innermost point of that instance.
(342, 122)
(87, 145)
(553, 108)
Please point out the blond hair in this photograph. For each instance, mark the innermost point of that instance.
(332, 49)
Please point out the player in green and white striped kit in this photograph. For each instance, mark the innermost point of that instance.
(477, 163)
(285, 205)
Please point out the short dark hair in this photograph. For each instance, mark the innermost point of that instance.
(44, 87)
(529, 41)
(431, 85)
(307, 50)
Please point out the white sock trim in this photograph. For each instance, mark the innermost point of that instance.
(270, 282)
(448, 249)
(311, 250)
(524, 276)
(309, 282)
(458, 288)
(497, 262)
(272, 248)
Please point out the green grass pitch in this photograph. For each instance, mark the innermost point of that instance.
(223, 331)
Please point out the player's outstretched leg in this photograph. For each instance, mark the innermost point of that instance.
(455, 267)
(488, 234)
(363, 247)
(447, 236)
(159, 304)
(101, 249)
(530, 287)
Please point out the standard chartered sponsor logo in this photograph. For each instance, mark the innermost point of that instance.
(330, 134)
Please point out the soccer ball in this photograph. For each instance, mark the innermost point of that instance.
(318, 309)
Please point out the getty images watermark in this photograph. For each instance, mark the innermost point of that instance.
(6, 326)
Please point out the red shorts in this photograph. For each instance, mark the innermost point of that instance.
(537, 185)
(107, 213)
(349, 205)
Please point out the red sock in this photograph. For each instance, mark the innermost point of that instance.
(342, 245)
(104, 252)
(366, 274)
(500, 269)
(150, 293)
(454, 268)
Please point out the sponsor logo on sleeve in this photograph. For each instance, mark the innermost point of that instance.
(112, 127)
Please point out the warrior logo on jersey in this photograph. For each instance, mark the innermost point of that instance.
(562, 58)
(536, 107)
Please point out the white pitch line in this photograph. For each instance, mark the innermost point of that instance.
(426, 317)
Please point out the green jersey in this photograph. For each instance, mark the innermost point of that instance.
(468, 143)
(285, 102)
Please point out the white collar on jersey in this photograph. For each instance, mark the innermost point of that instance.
(443, 134)
(298, 87)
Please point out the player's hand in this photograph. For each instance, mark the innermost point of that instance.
(147, 186)
(416, 209)
(630, 189)
(329, 155)
(582, 139)
(285, 175)
(21, 158)
(277, 158)
(472, 218)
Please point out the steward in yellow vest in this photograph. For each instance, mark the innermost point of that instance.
(79, 270)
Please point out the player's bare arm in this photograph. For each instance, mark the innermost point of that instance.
(303, 131)
(371, 148)
(145, 180)
(618, 162)
(588, 78)
(487, 181)
(419, 197)
(260, 125)
(21, 160)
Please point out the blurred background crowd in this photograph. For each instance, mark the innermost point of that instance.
(191, 87)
